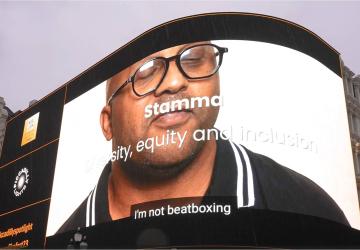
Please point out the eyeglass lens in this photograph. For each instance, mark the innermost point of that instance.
(200, 61)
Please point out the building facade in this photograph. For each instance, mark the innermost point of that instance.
(352, 96)
(3, 117)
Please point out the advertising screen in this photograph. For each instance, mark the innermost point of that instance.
(258, 118)
(240, 124)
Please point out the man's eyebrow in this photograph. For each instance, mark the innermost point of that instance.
(184, 46)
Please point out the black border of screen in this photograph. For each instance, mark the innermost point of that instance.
(213, 26)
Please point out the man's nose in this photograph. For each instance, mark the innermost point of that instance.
(173, 82)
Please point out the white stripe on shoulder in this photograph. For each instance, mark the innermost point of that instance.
(88, 208)
(93, 207)
(250, 180)
(239, 191)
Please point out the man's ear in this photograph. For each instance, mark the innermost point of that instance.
(105, 122)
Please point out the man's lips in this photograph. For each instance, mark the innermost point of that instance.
(171, 119)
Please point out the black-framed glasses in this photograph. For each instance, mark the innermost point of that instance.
(196, 62)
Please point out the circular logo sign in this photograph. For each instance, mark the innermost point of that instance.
(21, 180)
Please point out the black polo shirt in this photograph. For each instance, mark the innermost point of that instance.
(255, 180)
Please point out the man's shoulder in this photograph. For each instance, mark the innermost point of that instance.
(77, 219)
(85, 215)
(272, 173)
(285, 189)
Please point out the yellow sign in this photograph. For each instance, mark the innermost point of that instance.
(30, 128)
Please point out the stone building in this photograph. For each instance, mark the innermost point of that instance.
(3, 117)
(352, 96)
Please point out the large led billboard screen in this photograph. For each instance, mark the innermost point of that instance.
(204, 118)
(267, 102)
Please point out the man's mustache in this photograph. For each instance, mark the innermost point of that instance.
(171, 98)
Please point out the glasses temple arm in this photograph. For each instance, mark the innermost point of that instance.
(117, 91)
(221, 51)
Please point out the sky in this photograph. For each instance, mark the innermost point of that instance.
(44, 44)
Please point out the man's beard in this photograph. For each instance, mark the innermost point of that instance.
(145, 172)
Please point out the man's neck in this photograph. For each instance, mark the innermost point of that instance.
(192, 182)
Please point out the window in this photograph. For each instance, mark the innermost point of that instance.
(353, 123)
(354, 87)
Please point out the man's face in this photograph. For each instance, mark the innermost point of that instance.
(129, 125)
